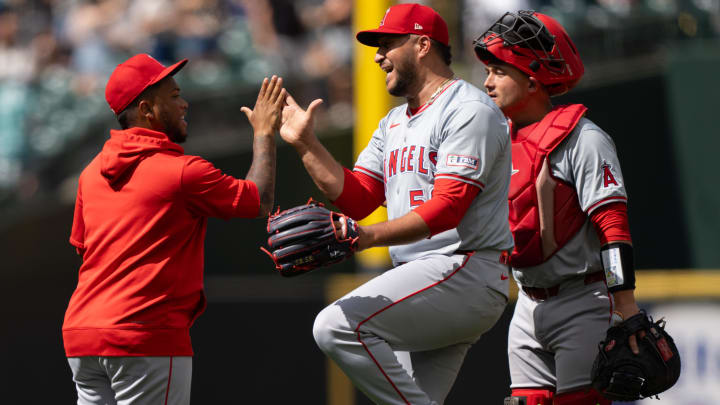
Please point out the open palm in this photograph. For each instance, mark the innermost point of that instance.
(297, 124)
(266, 115)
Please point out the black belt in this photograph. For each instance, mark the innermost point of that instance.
(503, 258)
(541, 294)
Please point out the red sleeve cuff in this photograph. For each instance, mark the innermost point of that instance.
(361, 195)
(79, 247)
(611, 223)
(76, 243)
(448, 205)
(247, 199)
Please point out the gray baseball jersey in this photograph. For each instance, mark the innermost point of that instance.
(554, 342)
(587, 159)
(462, 136)
(437, 301)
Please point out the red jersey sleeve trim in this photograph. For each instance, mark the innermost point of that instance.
(374, 175)
(361, 194)
(611, 223)
(448, 205)
(606, 201)
(463, 179)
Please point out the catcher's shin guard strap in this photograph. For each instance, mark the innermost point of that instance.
(618, 263)
(530, 396)
(585, 396)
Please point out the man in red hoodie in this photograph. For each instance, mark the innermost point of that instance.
(140, 220)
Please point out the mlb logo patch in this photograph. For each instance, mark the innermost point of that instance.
(470, 162)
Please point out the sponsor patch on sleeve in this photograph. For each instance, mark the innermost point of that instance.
(462, 161)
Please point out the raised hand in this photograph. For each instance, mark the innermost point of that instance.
(266, 115)
(297, 124)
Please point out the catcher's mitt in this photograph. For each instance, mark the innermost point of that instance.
(309, 236)
(621, 375)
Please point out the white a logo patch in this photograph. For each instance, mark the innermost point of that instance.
(418, 27)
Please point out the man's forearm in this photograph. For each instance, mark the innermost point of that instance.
(406, 229)
(262, 170)
(326, 172)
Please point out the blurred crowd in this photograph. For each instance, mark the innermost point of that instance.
(55, 55)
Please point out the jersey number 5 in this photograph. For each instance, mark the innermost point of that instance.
(417, 197)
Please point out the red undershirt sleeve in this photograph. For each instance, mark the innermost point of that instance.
(611, 222)
(360, 196)
(450, 200)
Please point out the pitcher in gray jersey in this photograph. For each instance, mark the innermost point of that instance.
(442, 163)
(573, 254)
(409, 152)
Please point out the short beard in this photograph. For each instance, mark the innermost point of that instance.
(406, 77)
(173, 131)
(177, 137)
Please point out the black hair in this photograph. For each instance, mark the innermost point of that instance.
(444, 50)
(486, 56)
(123, 117)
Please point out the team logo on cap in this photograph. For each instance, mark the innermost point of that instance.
(382, 22)
(418, 27)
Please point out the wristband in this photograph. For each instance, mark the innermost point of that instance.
(617, 261)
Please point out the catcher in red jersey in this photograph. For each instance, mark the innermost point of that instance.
(573, 257)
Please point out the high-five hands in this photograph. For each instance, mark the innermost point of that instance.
(297, 124)
(265, 117)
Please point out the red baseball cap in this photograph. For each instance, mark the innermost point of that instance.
(408, 18)
(133, 76)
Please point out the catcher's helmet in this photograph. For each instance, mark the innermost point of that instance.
(537, 45)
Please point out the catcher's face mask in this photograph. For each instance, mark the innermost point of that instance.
(537, 45)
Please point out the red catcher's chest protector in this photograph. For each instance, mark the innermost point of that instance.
(544, 211)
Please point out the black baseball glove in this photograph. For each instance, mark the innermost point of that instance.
(309, 236)
(621, 375)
